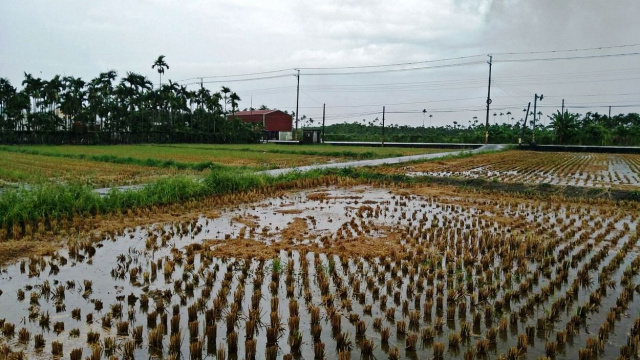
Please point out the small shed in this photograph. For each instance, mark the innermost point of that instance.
(311, 136)
(274, 122)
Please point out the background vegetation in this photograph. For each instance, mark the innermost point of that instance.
(67, 110)
(567, 128)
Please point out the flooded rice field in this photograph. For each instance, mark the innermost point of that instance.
(347, 273)
(576, 169)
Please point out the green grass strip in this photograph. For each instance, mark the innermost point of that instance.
(47, 202)
(365, 155)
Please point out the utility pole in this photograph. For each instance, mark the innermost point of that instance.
(201, 105)
(524, 124)
(323, 112)
(486, 132)
(297, 102)
(609, 112)
(562, 106)
(383, 126)
(535, 103)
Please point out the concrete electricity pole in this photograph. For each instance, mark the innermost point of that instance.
(323, 112)
(383, 126)
(297, 102)
(535, 102)
(524, 123)
(486, 132)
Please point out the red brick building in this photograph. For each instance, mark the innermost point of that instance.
(274, 122)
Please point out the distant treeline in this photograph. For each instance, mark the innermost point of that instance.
(567, 128)
(103, 110)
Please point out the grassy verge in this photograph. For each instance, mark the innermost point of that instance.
(198, 166)
(351, 152)
(46, 203)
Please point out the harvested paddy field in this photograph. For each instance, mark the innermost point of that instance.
(342, 272)
(576, 169)
(18, 168)
(349, 152)
(198, 156)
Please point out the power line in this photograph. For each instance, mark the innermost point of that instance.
(395, 70)
(441, 60)
(570, 57)
(466, 57)
(238, 75)
(389, 65)
(237, 80)
(568, 50)
(391, 104)
(461, 83)
(503, 83)
(229, 78)
(591, 95)
(561, 81)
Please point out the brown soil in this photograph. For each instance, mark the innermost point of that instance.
(248, 220)
(318, 196)
(245, 249)
(367, 247)
(10, 251)
(388, 244)
(321, 196)
(290, 211)
(297, 229)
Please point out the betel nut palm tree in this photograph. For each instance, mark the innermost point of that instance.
(160, 65)
(225, 90)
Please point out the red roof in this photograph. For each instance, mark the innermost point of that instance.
(254, 112)
(273, 120)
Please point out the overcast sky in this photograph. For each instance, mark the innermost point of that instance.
(220, 38)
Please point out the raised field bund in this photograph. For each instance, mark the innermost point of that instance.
(387, 144)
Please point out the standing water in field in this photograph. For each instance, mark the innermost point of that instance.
(341, 273)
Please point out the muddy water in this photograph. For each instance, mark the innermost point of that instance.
(442, 228)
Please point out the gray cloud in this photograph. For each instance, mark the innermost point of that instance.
(202, 38)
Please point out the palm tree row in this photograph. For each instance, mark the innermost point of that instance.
(108, 106)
